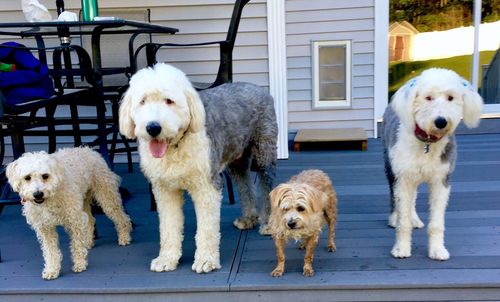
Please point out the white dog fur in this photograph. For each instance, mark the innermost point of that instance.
(195, 137)
(57, 189)
(420, 147)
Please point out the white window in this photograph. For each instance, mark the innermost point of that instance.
(331, 74)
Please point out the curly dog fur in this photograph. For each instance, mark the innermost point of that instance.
(299, 210)
(186, 140)
(57, 189)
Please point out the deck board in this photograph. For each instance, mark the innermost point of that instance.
(361, 269)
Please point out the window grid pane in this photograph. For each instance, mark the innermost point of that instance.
(332, 72)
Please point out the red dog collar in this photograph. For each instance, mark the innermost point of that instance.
(424, 136)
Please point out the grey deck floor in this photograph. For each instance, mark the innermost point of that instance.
(361, 269)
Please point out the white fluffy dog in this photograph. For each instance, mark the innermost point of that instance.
(57, 189)
(186, 139)
(420, 147)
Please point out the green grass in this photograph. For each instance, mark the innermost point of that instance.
(400, 72)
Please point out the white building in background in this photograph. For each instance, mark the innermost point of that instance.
(450, 43)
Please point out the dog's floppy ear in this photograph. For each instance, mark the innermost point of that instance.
(276, 194)
(196, 109)
(403, 97)
(473, 106)
(127, 125)
(12, 175)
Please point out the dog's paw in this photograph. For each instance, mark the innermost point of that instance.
(79, 267)
(245, 223)
(331, 247)
(401, 251)
(163, 264)
(439, 253)
(50, 274)
(277, 272)
(265, 230)
(124, 230)
(205, 265)
(124, 239)
(308, 272)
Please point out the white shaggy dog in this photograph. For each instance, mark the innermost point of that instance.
(57, 189)
(420, 147)
(186, 139)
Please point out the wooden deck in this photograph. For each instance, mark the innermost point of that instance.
(361, 269)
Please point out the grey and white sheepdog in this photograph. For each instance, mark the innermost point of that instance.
(419, 146)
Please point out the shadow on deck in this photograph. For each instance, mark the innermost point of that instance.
(361, 269)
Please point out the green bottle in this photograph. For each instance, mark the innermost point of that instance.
(89, 10)
(7, 67)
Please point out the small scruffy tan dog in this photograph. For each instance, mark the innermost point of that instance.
(57, 189)
(299, 210)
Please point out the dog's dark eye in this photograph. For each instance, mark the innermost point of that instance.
(429, 98)
(169, 101)
(142, 102)
(450, 98)
(301, 209)
(45, 176)
(27, 178)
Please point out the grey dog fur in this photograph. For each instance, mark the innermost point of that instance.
(242, 128)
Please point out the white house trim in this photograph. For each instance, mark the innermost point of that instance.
(490, 110)
(475, 54)
(319, 103)
(276, 36)
(381, 61)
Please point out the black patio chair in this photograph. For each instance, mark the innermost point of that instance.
(224, 73)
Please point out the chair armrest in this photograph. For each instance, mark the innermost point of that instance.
(187, 44)
(152, 48)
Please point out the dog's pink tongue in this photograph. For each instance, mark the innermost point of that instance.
(157, 148)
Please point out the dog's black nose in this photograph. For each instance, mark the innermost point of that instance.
(291, 224)
(440, 122)
(153, 128)
(38, 195)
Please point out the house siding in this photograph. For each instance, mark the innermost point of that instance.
(325, 20)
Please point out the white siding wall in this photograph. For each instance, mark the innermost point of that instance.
(330, 20)
(200, 21)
